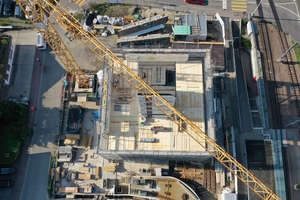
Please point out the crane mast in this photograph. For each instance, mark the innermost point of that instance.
(38, 16)
(56, 12)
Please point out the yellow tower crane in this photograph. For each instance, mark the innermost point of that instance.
(55, 11)
(39, 17)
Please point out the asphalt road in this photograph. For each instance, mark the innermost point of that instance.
(284, 13)
(44, 90)
(45, 129)
(20, 85)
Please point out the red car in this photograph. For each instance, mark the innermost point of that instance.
(198, 2)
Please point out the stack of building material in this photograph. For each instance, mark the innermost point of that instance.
(68, 189)
(57, 174)
(84, 176)
(90, 143)
(84, 169)
(86, 189)
(97, 172)
(109, 168)
(71, 142)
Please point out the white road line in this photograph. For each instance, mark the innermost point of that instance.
(297, 9)
(284, 3)
(288, 9)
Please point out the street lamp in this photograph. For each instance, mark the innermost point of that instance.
(233, 40)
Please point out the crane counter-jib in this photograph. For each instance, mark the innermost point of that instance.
(75, 29)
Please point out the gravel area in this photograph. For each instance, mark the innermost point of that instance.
(260, 163)
(286, 100)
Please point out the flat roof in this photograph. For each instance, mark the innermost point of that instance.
(182, 30)
(145, 31)
(196, 22)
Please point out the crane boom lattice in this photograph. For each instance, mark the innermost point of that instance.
(38, 16)
(68, 22)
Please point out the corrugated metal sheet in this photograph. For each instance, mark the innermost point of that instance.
(203, 24)
(142, 38)
(148, 30)
(191, 19)
(182, 30)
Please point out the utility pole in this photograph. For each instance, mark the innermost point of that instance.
(287, 51)
(252, 14)
(294, 122)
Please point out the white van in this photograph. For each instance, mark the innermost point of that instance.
(40, 42)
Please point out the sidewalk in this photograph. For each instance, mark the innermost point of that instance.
(21, 86)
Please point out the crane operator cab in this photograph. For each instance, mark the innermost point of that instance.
(40, 42)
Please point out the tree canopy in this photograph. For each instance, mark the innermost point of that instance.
(13, 128)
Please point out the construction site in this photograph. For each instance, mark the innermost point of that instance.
(127, 127)
(112, 120)
(151, 121)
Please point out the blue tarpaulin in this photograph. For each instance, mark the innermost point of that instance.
(97, 115)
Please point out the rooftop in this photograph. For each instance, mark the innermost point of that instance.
(136, 124)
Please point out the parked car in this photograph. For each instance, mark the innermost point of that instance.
(7, 8)
(6, 183)
(1, 6)
(41, 44)
(17, 11)
(198, 2)
(7, 170)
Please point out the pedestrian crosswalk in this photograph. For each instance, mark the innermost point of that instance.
(239, 5)
(79, 2)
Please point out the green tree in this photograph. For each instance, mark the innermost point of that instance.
(13, 128)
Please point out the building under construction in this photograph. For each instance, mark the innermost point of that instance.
(133, 128)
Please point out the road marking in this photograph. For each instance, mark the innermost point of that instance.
(288, 9)
(244, 2)
(79, 2)
(282, 5)
(239, 5)
(224, 4)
